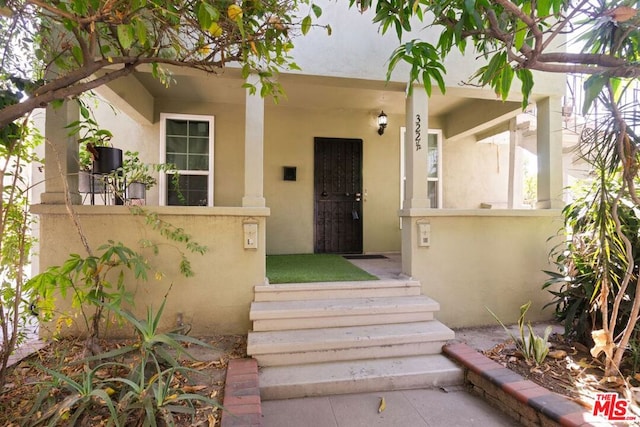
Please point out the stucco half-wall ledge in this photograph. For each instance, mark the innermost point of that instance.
(480, 212)
(44, 209)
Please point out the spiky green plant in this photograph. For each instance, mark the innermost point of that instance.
(533, 347)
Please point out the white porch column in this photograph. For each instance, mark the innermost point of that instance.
(254, 148)
(61, 155)
(415, 151)
(515, 190)
(416, 198)
(549, 153)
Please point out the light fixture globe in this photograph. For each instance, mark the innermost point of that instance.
(382, 122)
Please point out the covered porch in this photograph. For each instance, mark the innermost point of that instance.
(465, 257)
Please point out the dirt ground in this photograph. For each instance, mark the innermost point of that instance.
(569, 369)
(24, 382)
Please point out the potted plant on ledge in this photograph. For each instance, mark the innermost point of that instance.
(138, 177)
(95, 154)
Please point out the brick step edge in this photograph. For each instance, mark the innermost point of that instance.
(242, 406)
(524, 400)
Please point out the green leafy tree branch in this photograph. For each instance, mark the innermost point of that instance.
(514, 37)
(83, 44)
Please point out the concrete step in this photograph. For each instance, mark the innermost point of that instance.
(284, 315)
(277, 348)
(330, 290)
(361, 376)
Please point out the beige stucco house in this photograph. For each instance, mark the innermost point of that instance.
(423, 187)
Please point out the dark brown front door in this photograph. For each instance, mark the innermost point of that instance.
(338, 195)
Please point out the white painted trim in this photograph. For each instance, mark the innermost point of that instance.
(162, 179)
(61, 210)
(428, 212)
(403, 177)
(438, 133)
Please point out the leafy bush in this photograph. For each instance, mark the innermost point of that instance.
(17, 143)
(583, 258)
(91, 281)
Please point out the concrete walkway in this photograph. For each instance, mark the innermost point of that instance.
(408, 408)
(31, 344)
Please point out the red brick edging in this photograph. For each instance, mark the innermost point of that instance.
(524, 400)
(242, 405)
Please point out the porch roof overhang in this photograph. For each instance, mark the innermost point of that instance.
(460, 112)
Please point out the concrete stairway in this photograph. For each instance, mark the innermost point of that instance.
(313, 339)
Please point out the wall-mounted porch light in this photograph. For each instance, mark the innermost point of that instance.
(382, 122)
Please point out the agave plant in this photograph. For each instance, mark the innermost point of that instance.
(146, 389)
(533, 347)
(83, 397)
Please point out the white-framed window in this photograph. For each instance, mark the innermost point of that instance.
(434, 168)
(187, 142)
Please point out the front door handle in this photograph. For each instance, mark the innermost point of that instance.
(358, 196)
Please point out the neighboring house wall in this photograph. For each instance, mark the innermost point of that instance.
(357, 49)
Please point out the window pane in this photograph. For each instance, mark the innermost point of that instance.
(191, 151)
(198, 163)
(176, 144)
(176, 127)
(198, 128)
(191, 190)
(432, 189)
(180, 160)
(432, 154)
(198, 146)
(188, 147)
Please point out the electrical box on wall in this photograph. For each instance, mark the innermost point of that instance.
(289, 173)
(424, 234)
(250, 235)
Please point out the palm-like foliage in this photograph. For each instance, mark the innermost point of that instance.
(593, 257)
(600, 266)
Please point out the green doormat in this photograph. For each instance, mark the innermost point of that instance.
(306, 268)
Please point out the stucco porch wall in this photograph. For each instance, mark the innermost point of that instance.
(479, 259)
(215, 300)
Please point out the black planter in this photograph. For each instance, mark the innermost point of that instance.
(108, 159)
